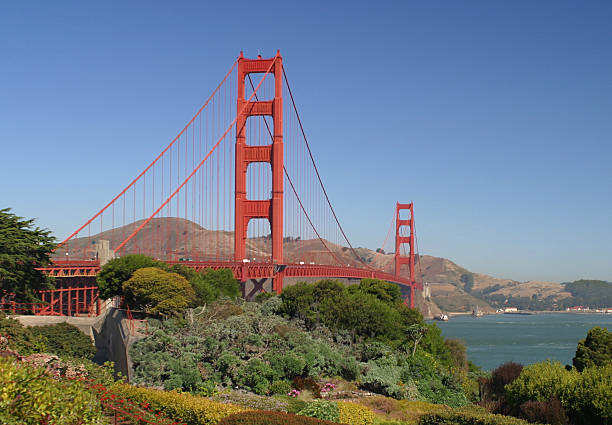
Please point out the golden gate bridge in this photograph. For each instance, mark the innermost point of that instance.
(237, 188)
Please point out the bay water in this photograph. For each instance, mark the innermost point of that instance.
(495, 339)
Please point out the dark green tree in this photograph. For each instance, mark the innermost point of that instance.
(594, 350)
(384, 291)
(119, 270)
(468, 281)
(23, 248)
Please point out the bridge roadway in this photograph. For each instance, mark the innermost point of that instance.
(243, 271)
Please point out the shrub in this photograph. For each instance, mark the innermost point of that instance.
(549, 412)
(186, 408)
(467, 417)
(252, 401)
(271, 418)
(588, 399)
(354, 414)
(65, 340)
(280, 387)
(321, 409)
(158, 291)
(504, 375)
(540, 382)
(309, 384)
(118, 270)
(401, 410)
(30, 397)
(594, 350)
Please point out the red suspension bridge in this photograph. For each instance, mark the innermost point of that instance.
(239, 188)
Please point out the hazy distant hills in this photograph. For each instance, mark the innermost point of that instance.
(453, 288)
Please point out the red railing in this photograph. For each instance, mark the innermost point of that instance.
(57, 302)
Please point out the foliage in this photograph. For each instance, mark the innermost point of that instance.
(594, 350)
(504, 374)
(64, 339)
(308, 384)
(549, 412)
(253, 402)
(393, 411)
(370, 311)
(187, 408)
(321, 409)
(468, 281)
(354, 414)
(384, 291)
(246, 345)
(280, 387)
(468, 417)
(158, 291)
(29, 396)
(587, 399)
(119, 270)
(20, 338)
(23, 248)
(271, 418)
(209, 285)
(61, 339)
(458, 354)
(540, 382)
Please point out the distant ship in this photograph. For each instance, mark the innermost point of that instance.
(477, 312)
(441, 317)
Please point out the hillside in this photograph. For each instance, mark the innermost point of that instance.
(452, 287)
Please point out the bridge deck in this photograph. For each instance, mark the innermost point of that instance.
(245, 271)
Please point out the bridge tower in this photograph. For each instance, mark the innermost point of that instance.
(272, 209)
(400, 240)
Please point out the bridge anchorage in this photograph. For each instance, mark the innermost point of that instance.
(278, 226)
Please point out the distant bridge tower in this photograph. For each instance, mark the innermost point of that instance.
(272, 209)
(409, 240)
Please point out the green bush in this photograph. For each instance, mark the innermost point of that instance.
(271, 418)
(594, 350)
(63, 339)
(280, 387)
(321, 409)
(158, 292)
(30, 397)
(541, 382)
(119, 270)
(588, 400)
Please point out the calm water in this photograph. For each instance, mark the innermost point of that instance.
(496, 339)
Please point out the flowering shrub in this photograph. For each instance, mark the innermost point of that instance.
(294, 393)
(327, 388)
(354, 414)
(190, 409)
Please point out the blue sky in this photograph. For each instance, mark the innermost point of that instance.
(494, 117)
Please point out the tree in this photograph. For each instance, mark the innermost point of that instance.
(384, 291)
(118, 270)
(468, 281)
(23, 248)
(415, 333)
(594, 350)
(158, 291)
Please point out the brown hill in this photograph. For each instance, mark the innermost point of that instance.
(174, 238)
